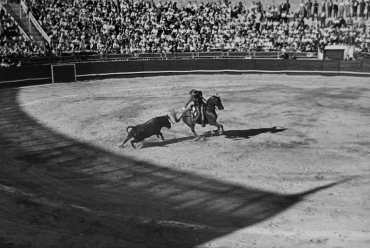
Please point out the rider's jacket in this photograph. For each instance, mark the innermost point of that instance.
(196, 96)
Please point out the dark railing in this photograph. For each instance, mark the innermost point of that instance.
(90, 57)
(37, 74)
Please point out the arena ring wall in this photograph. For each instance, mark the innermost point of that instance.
(140, 68)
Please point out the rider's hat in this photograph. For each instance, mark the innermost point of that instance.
(193, 92)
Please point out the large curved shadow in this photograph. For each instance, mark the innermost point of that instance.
(58, 192)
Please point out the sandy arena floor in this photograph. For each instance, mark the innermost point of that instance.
(64, 182)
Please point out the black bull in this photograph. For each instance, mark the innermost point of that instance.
(149, 128)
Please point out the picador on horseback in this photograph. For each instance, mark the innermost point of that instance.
(206, 112)
(197, 97)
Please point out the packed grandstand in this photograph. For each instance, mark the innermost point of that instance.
(138, 26)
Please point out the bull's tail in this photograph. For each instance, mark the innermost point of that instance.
(174, 117)
(128, 128)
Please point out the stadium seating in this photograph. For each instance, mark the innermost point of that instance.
(137, 29)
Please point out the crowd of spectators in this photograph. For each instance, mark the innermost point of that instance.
(12, 43)
(137, 26)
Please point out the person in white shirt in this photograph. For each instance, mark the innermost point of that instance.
(341, 8)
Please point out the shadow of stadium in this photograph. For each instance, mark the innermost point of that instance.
(59, 192)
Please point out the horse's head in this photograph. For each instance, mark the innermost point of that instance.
(216, 100)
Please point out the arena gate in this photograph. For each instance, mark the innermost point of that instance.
(64, 73)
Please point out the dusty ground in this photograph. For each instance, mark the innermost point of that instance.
(64, 182)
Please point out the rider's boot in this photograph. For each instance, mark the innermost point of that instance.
(202, 116)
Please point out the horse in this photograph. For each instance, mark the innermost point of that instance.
(210, 116)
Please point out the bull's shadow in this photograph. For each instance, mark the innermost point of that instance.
(246, 134)
(165, 142)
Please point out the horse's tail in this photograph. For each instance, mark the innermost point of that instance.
(174, 117)
(128, 128)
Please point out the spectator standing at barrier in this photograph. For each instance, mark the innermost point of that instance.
(309, 6)
(322, 18)
(330, 8)
(354, 8)
(348, 5)
(287, 7)
(323, 8)
(302, 9)
(260, 7)
(281, 10)
(342, 7)
(315, 9)
(335, 9)
(362, 6)
(367, 10)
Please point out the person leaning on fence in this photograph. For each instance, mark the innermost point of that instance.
(5, 63)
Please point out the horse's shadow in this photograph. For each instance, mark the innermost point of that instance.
(246, 134)
(229, 134)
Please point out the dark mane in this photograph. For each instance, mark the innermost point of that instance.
(211, 98)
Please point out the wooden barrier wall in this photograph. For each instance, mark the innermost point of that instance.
(136, 68)
(184, 66)
(28, 74)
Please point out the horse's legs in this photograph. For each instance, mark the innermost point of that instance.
(197, 137)
(213, 123)
(212, 117)
(190, 122)
(161, 135)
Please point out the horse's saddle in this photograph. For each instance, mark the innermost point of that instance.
(194, 114)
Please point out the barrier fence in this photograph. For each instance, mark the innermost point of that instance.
(85, 57)
(139, 68)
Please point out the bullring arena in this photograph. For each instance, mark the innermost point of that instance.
(290, 170)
